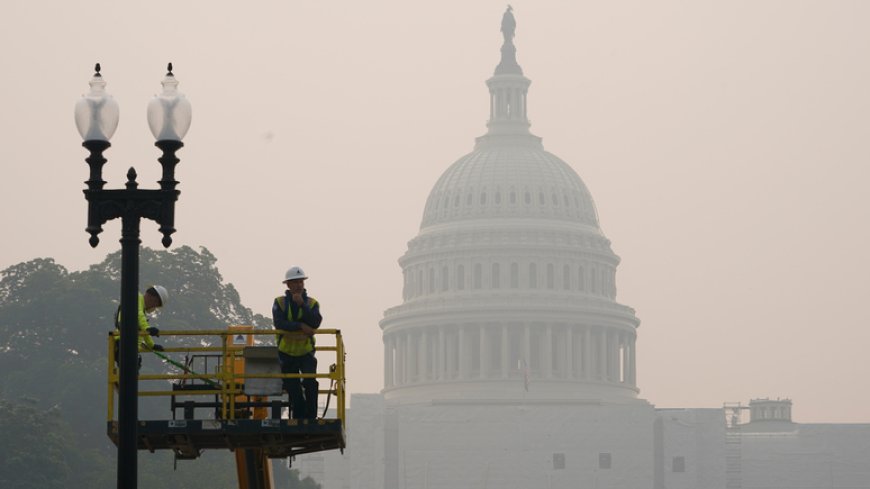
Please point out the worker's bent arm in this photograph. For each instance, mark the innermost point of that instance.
(280, 321)
(143, 324)
(311, 315)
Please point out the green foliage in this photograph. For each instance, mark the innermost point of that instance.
(40, 450)
(45, 309)
(199, 298)
(54, 327)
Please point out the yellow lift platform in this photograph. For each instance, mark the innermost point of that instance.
(227, 395)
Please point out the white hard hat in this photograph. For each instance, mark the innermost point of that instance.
(162, 293)
(294, 273)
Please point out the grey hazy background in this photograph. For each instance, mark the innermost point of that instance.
(725, 144)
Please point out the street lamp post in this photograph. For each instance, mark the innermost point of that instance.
(96, 116)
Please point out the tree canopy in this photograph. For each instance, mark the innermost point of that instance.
(45, 309)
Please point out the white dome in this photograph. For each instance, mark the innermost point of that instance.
(509, 177)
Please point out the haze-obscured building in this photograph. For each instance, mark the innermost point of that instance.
(511, 365)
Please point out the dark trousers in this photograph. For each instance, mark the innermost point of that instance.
(303, 395)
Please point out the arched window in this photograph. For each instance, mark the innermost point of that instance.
(551, 276)
(566, 277)
(460, 277)
(478, 276)
(515, 276)
(533, 275)
(496, 276)
(445, 279)
(513, 197)
(581, 278)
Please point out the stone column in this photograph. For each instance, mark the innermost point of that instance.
(484, 353)
(399, 367)
(587, 353)
(527, 347)
(620, 360)
(614, 352)
(511, 103)
(525, 101)
(439, 361)
(409, 357)
(632, 366)
(622, 374)
(505, 353)
(423, 365)
(450, 355)
(613, 357)
(569, 352)
(602, 354)
(388, 361)
(626, 345)
(626, 357)
(463, 353)
(547, 353)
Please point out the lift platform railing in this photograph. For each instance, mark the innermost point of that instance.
(225, 382)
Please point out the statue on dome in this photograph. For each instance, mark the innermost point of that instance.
(508, 24)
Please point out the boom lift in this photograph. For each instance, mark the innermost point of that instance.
(229, 396)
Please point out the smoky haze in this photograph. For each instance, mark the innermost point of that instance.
(724, 145)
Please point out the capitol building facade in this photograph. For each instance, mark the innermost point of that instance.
(510, 363)
(510, 277)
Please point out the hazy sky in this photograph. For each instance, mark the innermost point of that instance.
(725, 144)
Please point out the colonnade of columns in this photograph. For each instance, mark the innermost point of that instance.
(508, 103)
(492, 352)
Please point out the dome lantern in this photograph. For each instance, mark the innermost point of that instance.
(508, 87)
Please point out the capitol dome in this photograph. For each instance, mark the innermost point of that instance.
(510, 285)
(514, 177)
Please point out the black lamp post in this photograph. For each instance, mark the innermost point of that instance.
(96, 117)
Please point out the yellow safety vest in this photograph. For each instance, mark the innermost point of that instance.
(145, 342)
(295, 345)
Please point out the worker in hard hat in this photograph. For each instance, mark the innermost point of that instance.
(296, 312)
(154, 298)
